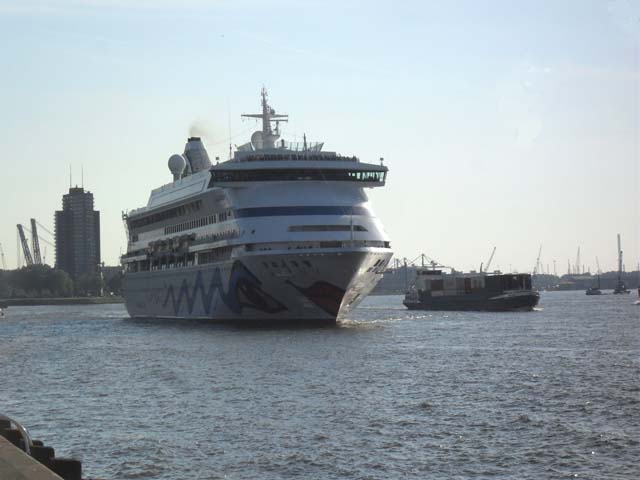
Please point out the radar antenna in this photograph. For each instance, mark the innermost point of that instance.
(268, 115)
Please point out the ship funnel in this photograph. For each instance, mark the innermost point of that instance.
(196, 155)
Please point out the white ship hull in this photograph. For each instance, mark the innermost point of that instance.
(270, 288)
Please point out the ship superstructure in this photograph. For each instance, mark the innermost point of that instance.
(281, 231)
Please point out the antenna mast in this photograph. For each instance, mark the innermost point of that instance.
(229, 121)
(268, 115)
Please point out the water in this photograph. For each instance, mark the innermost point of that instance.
(553, 393)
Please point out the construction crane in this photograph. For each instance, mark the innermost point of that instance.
(486, 268)
(46, 229)
(37, 259)
(537, 267)
(4, 262)
(41, 239)
(25, 246)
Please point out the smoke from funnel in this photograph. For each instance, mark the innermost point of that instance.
(202, 129)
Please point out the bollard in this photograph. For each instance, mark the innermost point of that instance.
(67, 468)
(13, 436)
(42, 453)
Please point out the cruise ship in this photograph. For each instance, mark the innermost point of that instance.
(279, 232)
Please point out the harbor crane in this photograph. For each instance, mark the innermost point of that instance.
(537, 267)
(36, 239)
(25, 245)
(577, 269)
(486, 268)
(35, 243)
(4, 262)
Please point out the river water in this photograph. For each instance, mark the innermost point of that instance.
(553, 393)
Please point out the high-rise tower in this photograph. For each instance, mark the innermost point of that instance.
(77, 231)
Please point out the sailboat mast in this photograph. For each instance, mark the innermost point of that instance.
(619, 261)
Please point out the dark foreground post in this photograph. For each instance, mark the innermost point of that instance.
(22, 458)
(17, 465)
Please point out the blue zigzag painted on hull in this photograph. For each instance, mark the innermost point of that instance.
(244, 291)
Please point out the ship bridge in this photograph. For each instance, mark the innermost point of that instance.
(284, 169)
(265, 159)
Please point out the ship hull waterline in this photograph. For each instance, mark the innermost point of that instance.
(271, 289)
(521, 301)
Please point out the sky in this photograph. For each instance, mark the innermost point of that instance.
(506, 124)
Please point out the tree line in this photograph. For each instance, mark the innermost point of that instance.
(45, 281)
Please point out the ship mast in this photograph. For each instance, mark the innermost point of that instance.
(619, 262)
(268, 115)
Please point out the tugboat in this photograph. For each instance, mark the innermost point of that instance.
(435, 289)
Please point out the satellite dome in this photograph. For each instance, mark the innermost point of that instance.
(257, 140)
(177, 164)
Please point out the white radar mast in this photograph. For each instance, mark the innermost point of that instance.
(268, 115)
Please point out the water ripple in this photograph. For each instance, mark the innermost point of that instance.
(387, 393)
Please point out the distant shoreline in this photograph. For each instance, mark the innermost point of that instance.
(32, 302)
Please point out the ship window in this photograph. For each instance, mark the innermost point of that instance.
(326, 228)
(297, 174)
(166, 215)
(330, 244)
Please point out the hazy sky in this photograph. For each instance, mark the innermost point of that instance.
(508, 124)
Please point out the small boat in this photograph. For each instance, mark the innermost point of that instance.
(621, 288)
(594, 290)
